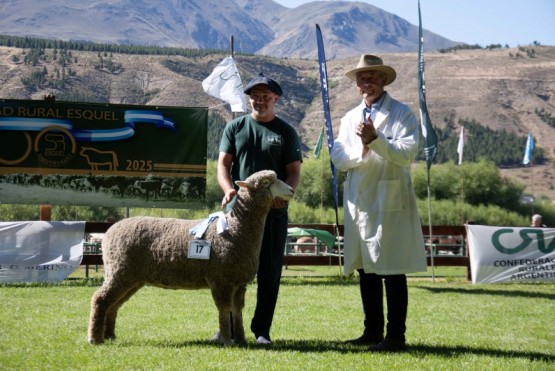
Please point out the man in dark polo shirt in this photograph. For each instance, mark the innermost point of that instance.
(250, 143)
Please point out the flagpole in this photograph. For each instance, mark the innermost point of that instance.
(317, 150)
(329, 129)
(528, 160)
(430, 234)
(232, 49)
(462, 198)
(232, 46)
(460, 150)
(532, 180)
(320, 140)
(427, 130)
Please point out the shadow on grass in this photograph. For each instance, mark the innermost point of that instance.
(480, 291)
(457, 351)
(321, 346)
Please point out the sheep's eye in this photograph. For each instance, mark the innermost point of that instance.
(266, 183)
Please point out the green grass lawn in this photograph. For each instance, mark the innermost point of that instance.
(452, 325)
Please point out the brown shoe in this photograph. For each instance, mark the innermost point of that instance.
(388, 345)
(365, 340)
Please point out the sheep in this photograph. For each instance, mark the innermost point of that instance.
(153, 251)
(302, 245)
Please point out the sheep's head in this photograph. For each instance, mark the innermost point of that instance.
(267, 179)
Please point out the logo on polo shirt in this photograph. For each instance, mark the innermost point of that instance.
(274, 140)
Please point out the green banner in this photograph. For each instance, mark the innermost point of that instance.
(64, 153)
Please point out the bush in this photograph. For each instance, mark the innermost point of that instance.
(447, 212)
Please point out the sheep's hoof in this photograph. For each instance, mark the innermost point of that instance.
(242, 342)
(95, 341)
(216, 338)
(224, 341)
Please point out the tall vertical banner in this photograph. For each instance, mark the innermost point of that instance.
(430, 137)
(327, 116)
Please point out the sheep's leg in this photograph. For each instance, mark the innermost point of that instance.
(222, 297)
(237, 315)
(97, 320)
(103, 299)
(110, 327)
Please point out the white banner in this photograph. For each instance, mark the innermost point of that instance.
(40, 251)
(511, 254)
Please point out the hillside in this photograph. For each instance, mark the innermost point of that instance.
(500, 89)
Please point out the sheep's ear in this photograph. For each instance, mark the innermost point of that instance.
(244, 184)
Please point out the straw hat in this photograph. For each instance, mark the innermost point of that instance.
(370, 62)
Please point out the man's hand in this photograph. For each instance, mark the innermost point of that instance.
(279, 203)
(228, 196)
(366, 131)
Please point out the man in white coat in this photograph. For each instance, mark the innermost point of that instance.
(377, 142)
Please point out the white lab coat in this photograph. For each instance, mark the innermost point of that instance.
(383, 234)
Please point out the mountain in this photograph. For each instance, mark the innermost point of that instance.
(348, 28)
(258, 26)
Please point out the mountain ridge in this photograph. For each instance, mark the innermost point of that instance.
(260, 27)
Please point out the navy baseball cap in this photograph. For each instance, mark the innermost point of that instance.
(263, 80)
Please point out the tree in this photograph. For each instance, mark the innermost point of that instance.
(473, 183)
(315, 186)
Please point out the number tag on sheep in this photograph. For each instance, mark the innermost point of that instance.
(143, 251)
(199, 249)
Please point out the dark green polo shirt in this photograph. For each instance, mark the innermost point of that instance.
(260, 146)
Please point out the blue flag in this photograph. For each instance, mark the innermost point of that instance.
(327, 116)
(528, 150)
(430, 137)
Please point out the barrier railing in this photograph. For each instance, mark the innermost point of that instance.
(448, 246)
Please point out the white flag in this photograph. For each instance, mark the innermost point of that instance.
(225, 83)
(528, 150)
(460, 146)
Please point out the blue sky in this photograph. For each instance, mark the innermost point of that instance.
(483, 22)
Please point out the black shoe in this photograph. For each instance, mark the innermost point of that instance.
(388, 345)
(365, 339)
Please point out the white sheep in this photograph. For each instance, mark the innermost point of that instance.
(143, 251)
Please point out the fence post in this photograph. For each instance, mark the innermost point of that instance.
(45, 213)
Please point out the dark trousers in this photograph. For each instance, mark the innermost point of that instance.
(269, 271)
(396, 292)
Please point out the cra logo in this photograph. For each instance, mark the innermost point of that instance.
(526, 235)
